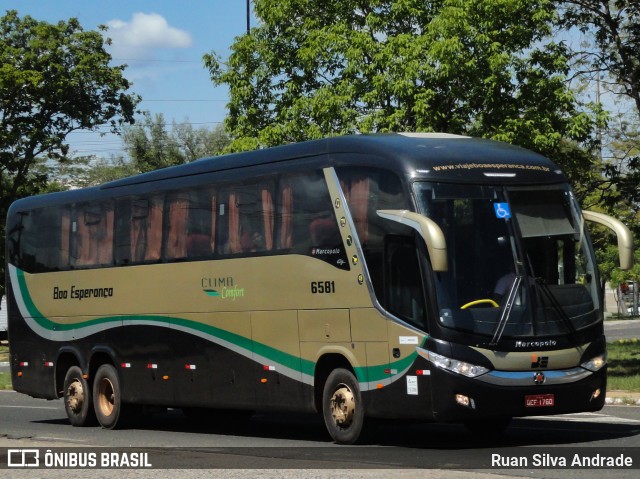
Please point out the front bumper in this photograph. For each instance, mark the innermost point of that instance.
(505, 393)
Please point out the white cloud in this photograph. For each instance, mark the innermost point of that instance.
(145, 32)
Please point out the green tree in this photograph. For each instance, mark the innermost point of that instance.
(54, 79)
(613, 30)
(85, 171)
(152, 145)
(609, 58)
(478, 67)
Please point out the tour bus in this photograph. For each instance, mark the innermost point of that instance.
(428, 277)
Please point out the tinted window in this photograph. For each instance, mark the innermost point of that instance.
(368, 190)
(92, 234)
(306, 219)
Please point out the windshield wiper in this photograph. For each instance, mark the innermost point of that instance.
(557, 307)
(506, 312)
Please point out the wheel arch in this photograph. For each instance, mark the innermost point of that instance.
(67, 357)
(326, 363)
(100, 356)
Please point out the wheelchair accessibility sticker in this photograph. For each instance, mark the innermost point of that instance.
(502, 210)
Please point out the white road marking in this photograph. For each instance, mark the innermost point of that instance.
(588, 417)
(29, 407)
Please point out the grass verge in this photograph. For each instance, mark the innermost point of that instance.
(5, 381)
(5, 378)
(624, 365)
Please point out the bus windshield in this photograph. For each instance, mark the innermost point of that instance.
(519, 264)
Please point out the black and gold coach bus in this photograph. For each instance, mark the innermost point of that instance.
(422, 276)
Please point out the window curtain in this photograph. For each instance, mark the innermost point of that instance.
(286, 219)
(359, 205)
(235, 245)
(146, 232)
(138, 240)
(267, 215)
(214, 210)
(176, 246)
(154, 230)
(83, 241)
(65, 229)
(103, 232)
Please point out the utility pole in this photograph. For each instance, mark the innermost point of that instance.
(598, 131)
(248, 16)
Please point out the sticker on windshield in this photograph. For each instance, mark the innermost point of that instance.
(502, 210)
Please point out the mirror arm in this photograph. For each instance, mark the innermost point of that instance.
(624, 236)
(427, 229)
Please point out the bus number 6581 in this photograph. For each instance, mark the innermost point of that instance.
(323, 287)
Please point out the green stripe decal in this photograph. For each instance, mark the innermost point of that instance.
(292, 362)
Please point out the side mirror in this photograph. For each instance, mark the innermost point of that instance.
(427, 229)
(625, 238)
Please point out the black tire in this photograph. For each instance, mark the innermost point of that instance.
(342, 407)
(107, 399)
(489, 426)
(77, 399)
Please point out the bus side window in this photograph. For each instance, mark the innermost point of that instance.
(139, 229)
(39, 240)
(146, 228)
(368, 190)
(176, 218)
(305, 215)
(53, 239)
(92, 234)
(202, 224)
(246, 219)
(403, 284)
(21, 238)
(305, 219)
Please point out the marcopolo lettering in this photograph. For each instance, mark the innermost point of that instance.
(536, 344)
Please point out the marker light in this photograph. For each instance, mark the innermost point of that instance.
(596, 363)
(459, 367)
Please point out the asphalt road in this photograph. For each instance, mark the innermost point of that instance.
(623, 329)
(298, 444)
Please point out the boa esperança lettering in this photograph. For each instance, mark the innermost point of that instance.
(82, 293)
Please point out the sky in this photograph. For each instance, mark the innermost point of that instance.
(162, 42)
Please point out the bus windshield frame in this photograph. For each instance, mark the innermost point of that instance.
(520, 263)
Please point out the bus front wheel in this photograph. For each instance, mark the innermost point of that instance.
(77, 398)
(107, 400)
(342, 407)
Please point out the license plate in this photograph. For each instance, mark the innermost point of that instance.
(539, 400)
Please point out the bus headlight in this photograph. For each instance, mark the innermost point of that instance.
(596, 363)
(459, 367)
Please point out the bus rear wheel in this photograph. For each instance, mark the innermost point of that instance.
(342, 407)
(107, 400)
(77, 398)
